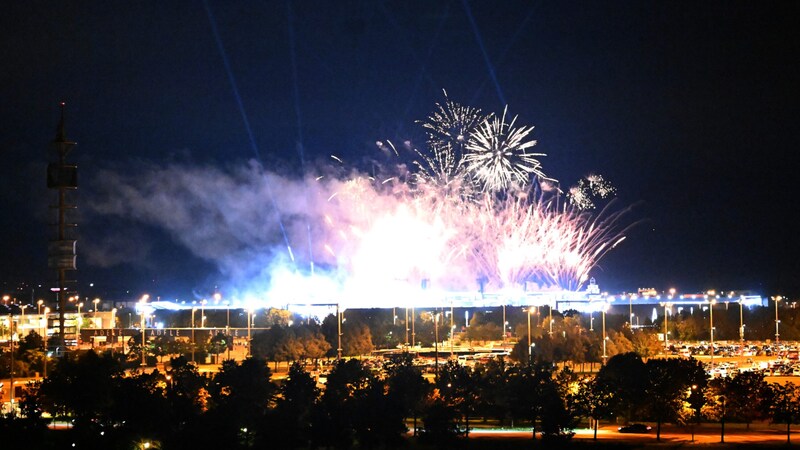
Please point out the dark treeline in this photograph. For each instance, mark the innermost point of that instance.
(241, 406)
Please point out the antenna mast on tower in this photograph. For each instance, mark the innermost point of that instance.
(61, 257)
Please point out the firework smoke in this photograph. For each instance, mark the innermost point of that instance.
(377, 239)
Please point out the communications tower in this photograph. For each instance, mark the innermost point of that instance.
(61, 256)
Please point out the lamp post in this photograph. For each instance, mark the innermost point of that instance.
(413, 328)
(452, 329)
(249, 343)
(203, 313)
(711, 325)
(666, 326)
(630, 311)
(339, 332)
(40, 302)
(551, 321)
(504, 325)
(436, 344)
(530, 308)
(78, 323)
(22, 307)
(741, 320)
(605, 307)
(11, 368)
(96, 302)
(46, 312)
(777, 322)
(113, 326)
(195, 309)
(407, 329)
(143, 302)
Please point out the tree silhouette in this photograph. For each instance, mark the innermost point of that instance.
(290, 426)
(458, 387)
(623, 375)
(406, 386)
(784, 406)
(668, 386)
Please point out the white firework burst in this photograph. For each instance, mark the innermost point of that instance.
(499, 157)
(448, 128)
(593, 186)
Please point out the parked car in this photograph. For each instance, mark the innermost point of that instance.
(635, 428)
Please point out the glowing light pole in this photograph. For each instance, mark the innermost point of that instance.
(195, 309)
(551, 320)
(40, 302)
(113, 326)
(777, 322)
(46, 312)
(711, 324)
(666, 305)
(143, 302)
(249, 341)
(96, 302)
(741, 319)
(504, 324)
(605, 338)
(436, 344)
(203, 313)
(452, 329)
(530, 308)
(407, 329)
(339, 333)
(413, 327)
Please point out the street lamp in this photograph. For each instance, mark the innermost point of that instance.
(249, 315)
(452, 329)
(78, 323)
(113, 326)
(666, 326)
(407, 329)
(413, 328)
(143, 302)
(195, 309)
(436, 344)
(711, 325)
(203, 313)
(46, 312)
(22, 307)
(40, 302)
(504, 324)
(777, 322)
(96, 302)
(551, 320)
(530, 308)
(741, 319)
(605, 308)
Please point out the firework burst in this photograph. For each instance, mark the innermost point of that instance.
(589, 188)
(498, 155)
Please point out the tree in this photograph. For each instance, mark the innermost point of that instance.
(623, 375)
(337, 413)
(241, 394)
(748, 397)
(406, 386)
(290, 426)
(595, 400)
(784, 406)
(81, 386)
(645, 343)
(219, 343)
(668, 383)
(457, 386)
(357, 339)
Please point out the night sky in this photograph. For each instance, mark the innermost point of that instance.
(689, 108)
